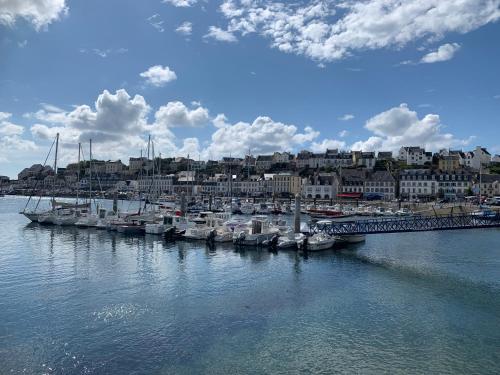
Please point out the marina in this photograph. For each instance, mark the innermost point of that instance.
(87, 300)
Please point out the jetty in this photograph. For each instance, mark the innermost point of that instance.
(407, 224)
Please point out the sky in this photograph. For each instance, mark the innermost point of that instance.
(213, 78)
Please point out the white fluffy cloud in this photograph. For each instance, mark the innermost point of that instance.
(263, 135)
(159, 75)
(181, 3)
(176, 114)
(39, 12)
(400, 126)
(12, 145)
(443, 53)
(220, 35)
(116, 125)
(185, 28)
(119, 125)
(328, 144)
(326, 31)
(8, 128)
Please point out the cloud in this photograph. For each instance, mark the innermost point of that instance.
(156, 21)
(176, 114)
(328, 31)
(400, 126)
(263, 135)
(8, 128)
(104, 53)
(185, 28)
(328, 144)
(220, 35)
(159, 75)
(343, 133)
(346, 117)
(443, 53)
(40, 13)
(181, 3)
(115, 124)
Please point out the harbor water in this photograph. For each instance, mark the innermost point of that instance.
(87, 301)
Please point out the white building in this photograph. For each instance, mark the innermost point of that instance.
(477, 158)
(321, 186)
(157, 184)
(414, 155)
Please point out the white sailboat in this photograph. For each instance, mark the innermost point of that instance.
(34, 215)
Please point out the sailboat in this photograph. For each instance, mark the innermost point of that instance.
(34, 215)
(87, 218)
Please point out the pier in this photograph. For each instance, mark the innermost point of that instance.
(407, 224)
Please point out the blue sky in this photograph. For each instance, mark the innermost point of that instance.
(214, 78)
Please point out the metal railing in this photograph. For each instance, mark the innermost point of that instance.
(407, 224)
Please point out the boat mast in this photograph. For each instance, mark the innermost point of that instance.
(90, 177)
(248, 173)
(78, 175)
(55, 172)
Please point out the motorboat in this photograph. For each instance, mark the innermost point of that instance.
(290, 240)
(247, 208)
(351, 238)
(256, 232)
(320, 241)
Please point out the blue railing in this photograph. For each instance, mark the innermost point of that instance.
(408, 224)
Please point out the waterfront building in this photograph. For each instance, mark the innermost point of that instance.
(157, 184)
(495, 159)
(321, 186)
(286, 184)
(353, 181)
(490, 185)
(414, 155)
(426, 184)
(252, 186)
(417, 184)
(381, 184)
(454, 184)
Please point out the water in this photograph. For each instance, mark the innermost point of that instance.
(76, 301)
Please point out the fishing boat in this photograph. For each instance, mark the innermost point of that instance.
(320, 241)
(256, 232)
